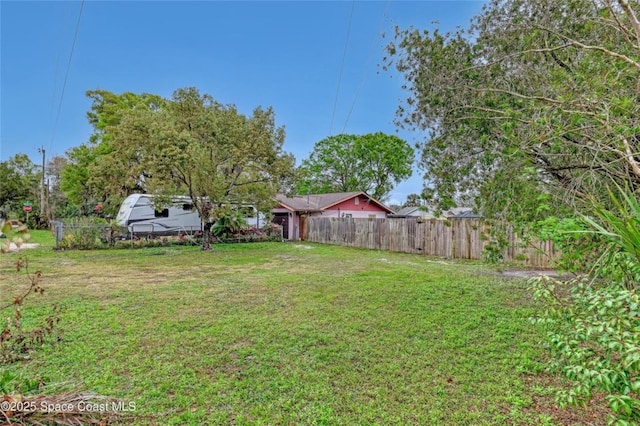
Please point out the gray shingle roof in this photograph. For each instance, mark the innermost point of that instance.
(410, 211)
(454, 213)
(318, 202)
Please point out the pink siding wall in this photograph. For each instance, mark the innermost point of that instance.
(361, 206)
(356, 214)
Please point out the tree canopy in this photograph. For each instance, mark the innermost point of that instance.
(57, 202)
(531, 110)
(103, 170)
(372, 163)
(534, 112)
(413, 200)
(19, 182)
(208, 150)
(188, 144)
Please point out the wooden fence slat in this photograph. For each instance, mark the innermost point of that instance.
(458, 239)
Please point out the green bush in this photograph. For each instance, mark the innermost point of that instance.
(593, 332)
(579, 249)
(228, 225)
(593, 322)
(86, 233)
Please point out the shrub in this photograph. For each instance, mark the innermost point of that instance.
(593, 332)
(579, 249)
(593, 322)
(86, 233)
(228, 225)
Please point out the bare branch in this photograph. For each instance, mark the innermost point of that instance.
(518, 95)
(617, 25)
(630, 157)
(520, 53)
(604, 50)
(624, 4)
(611, 53)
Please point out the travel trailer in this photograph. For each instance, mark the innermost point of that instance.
(139, 215)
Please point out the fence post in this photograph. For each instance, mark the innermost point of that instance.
(58, 227)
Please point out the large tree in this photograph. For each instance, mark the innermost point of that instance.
(196, 146)
(533, 109)
(104, 170)
(75, 177)
(19, 182)
(372, 163)
(56, 198)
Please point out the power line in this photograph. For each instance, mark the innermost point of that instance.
(364, 71)
(66, 76)
(344, 55)
(54, 93)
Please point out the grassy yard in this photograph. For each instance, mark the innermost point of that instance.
(285, 334)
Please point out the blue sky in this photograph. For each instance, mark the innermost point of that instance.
(288, 55)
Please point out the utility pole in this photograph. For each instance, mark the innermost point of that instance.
(42, 192)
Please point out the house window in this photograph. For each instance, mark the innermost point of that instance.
(356, 200)
(162, 213)
(187, 207)
(348, 215)
(372, 216)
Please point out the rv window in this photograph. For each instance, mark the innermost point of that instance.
(247, 211)
(187, 207)
(162, 213)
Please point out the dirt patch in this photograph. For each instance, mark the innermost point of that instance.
(594, 413)
(533, 273)
(302, 246)
(14, 248)
(383, 260)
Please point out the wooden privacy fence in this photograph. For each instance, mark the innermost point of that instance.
(455, 239)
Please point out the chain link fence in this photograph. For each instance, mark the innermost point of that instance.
(81, 234)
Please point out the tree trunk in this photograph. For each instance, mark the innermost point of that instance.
(206, 236)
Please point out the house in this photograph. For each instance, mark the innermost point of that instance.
(463, 213)
(426, 213)
(292, 212)
(411, 211)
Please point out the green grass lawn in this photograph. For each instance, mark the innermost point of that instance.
(284, 334)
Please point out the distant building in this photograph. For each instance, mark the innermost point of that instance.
(412, 211)
(429, 213)
(292, 212)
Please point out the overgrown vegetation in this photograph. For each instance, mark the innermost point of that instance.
(532, 114)
(17, 341)
(88, 233)
(530, 111)
(95, 233)
(26, 331)
(593, 321)
(594, 335)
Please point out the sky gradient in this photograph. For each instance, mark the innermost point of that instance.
(288, 55)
